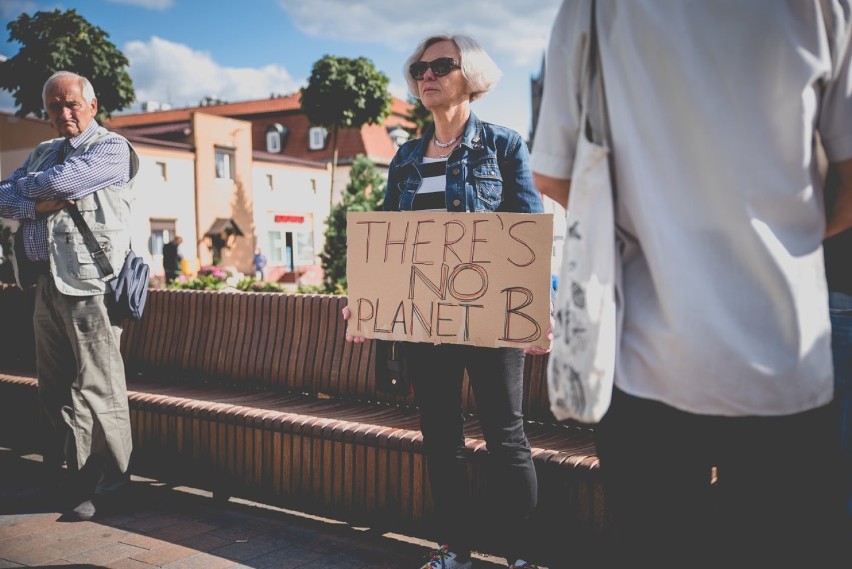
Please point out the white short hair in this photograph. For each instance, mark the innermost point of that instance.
(478, 68)
(85, 86)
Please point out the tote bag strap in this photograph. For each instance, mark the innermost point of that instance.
(592, 74)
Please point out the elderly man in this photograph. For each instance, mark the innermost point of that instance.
(80, 369)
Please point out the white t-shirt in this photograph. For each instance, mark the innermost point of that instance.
(713, 112)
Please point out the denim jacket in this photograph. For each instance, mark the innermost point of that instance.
(488, 171)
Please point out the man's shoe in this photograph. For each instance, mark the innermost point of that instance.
(84, 511)
(443, 558)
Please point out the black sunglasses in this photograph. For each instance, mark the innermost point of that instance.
(440, 67)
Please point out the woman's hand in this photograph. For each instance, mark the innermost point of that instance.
(535, 350)
(349, 338)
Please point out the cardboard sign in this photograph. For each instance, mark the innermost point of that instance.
(480, 279)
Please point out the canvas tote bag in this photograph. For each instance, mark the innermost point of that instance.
(581, 364)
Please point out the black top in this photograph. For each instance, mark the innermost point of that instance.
(171, 257)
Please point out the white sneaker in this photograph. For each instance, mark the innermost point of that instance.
(443, 558)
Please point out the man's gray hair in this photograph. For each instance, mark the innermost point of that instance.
(85, 85)
(478, 68)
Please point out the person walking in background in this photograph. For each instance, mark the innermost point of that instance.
(259, 265)
(172, 258)
(447, 73)
(720, 447)
(80, 369)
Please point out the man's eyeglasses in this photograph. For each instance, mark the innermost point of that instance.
(440, 67)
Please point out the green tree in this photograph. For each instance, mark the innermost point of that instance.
(419, 115)
(345, 93)
(56, 41)
(364, 192)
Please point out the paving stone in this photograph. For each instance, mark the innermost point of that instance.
(28, 524)
(151, 524)
(141, 540)
(245, 550)
(204, 542)
(5, 564)
(279, 539)
(183, 530)
(40, 551)
(165, 554)
(13, 519)
(128, 564)
(285, 558)
(235, 533)
(202, 561)
(105, 554)
(78, 530)
(337, 561)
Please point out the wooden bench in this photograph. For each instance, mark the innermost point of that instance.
(257, 395)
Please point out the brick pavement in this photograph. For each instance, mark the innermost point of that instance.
(184, 528)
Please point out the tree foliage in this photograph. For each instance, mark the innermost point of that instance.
(419, 115)
(364, 192)
(345, 93)
(56, 41)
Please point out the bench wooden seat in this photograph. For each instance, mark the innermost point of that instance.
(256, 395)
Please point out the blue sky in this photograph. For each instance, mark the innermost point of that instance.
(183, 50)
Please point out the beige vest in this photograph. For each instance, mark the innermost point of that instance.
(107, 212)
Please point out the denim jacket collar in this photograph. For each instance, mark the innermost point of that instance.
(471, 138)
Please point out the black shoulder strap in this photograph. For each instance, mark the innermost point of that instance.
(98, 254)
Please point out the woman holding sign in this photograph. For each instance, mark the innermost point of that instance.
(462, 164)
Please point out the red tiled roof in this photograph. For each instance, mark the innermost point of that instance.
(261, 106)
(371, 140)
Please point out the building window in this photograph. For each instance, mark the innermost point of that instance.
(269, 182)
(161, 170)
(316, 138)
(291, 249)
(162, 231)
(224, 163)
(276, 137)
(314, 185)
(304, 248)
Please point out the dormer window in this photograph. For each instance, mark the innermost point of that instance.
(316, 138)
(276, 137)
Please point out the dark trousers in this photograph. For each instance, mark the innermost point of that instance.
(692, 490)
(496, 375)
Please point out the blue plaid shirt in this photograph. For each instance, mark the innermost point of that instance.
(105, 164)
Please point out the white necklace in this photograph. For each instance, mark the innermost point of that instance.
(444, 144)
(438, 152)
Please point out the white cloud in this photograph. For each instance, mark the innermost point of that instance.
(10, 9)
(515, 30)
(151, 4)
(173, 73)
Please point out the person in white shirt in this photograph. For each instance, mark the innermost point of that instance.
(720, 437)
